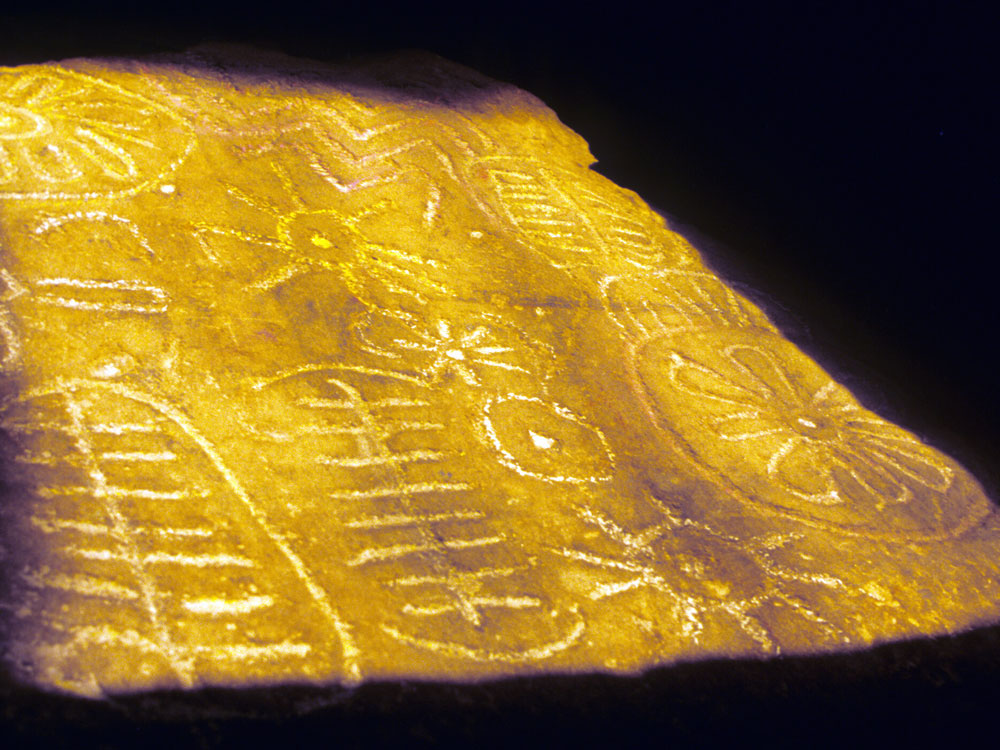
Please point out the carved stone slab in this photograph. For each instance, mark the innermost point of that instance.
(328, 375)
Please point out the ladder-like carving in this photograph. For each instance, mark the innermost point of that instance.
(458, 584)
(137, 508)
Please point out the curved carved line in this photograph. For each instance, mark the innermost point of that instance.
(350, 650)
(459, 651)
(680, 446)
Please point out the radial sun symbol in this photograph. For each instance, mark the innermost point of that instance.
(297, 237)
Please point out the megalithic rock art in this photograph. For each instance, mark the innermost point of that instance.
(332, 375)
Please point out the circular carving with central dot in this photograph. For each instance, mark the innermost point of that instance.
(754, 409)
(546, 441)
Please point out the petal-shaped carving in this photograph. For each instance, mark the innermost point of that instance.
(64, 135)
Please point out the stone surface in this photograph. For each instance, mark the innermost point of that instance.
(327, 375)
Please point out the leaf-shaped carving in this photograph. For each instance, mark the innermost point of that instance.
(139, 525)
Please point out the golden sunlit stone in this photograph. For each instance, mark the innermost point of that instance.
(328, 375)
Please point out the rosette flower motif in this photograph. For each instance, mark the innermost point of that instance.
(760, 413)
(64, 134)
(820, 444)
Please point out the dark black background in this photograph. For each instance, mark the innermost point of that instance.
(843, 158)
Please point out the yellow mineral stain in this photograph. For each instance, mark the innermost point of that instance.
(372, 377)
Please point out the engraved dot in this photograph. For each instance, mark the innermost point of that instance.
(576, 452)
(320, 241)
(476, 234)
(807, 422)
(108, 370)
(541, 441)
(167, 189)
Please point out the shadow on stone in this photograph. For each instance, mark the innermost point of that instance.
(941, 689)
